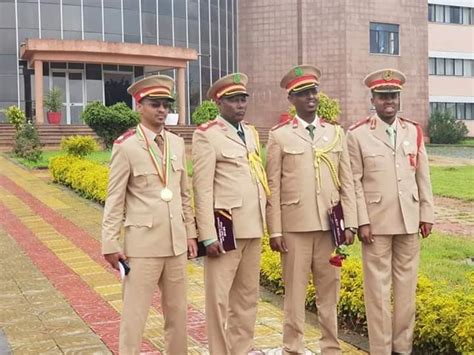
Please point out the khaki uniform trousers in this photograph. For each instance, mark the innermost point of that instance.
(169, 273)
(310, 252)
(391, 260)
(232, 289)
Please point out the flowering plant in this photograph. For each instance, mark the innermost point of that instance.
(339, 254)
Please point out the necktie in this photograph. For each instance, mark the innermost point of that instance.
(241, 135)
(391, 135)
(311, 129)
(161, 143)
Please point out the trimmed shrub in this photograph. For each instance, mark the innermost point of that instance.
(79, 146)
(207, 111)
(444, 319)
(27, 143)
(88, 178)
(109, 122)
(16, 117)
(445, 129)
(328, 108)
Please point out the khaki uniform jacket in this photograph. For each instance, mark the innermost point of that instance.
(393, 187)
(222, 180)
(296, 203)
(153, 227)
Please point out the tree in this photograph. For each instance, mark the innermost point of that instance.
(445, 129)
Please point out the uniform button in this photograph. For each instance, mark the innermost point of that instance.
(398, 165)
(399, 192)
(171, 216)
(399, 179)
(393, 153)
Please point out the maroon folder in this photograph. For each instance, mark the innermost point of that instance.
(225, 232)
(336, 221)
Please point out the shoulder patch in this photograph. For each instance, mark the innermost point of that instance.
(125, 136)
(407, 120)
(207, 125)
(281, 124)
(359, 123)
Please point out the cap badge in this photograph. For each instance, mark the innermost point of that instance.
(298, 71)
(387, 75)
(236, 78)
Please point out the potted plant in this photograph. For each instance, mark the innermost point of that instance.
(53, 102)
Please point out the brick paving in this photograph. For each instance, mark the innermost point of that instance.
(58, 295)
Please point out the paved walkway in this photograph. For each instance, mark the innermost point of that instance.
(58, 295)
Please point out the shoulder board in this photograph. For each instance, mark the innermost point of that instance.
(281, 124)
(360, 123)
(325, 120)
(407, 120)
(209, 124)
(125, 136)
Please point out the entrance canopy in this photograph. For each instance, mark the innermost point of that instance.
(37, 51)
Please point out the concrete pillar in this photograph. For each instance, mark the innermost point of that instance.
(39, 91)
(181, 91)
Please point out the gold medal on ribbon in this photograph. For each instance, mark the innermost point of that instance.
(162, 169)
(166, 194)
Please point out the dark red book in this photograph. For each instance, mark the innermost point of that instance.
(225, 232)
(336, 221)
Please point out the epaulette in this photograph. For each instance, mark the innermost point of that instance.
(360, 123)
(283, 123)
(322, 121)
(407, 120)
(125, 136)
(209, 124)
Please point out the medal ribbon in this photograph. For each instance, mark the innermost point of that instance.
(162, 169)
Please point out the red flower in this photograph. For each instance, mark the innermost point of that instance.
(339, 255)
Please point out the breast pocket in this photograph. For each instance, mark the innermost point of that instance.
(292, 158)
(145, 179)
(374, 161)
(233, 157)
(411, 156)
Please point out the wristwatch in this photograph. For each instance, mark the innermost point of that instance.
(353, 230)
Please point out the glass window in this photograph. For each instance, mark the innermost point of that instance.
(431, 13)
(23, 34)
(93, 72)
(115, 4)
(27, 15)
(180, 29)
(50, 17)
(447, 14)
(7, 15)
(451, 108)
(466, 16)
(130, 4)
(467, 67)
(165, 29)
(93, 20)
(149, 6)
(132, 24)
(180, 9)
(72, 35)
(449, 66)
(96, 3)
(110, 67)
(455, 14)
(8, 89)
(94, 90)
(439, 13)
(72, 18)
(460, 113)
(384, 38)
(469, 111)
(149, 25)
(432, 66)
(458, 67)
(8, 42)
(440, 66)
(164, 7)
(112, 21)
(8, 64)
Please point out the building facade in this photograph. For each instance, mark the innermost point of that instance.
(207, 26)
(346, 39)
(451, 58)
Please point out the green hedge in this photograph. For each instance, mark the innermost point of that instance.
(444, 319)
(89, 179)
(445, 315)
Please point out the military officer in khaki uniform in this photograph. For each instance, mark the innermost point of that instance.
(229, 175)
(394, 202)
(149, 186)
(308, 172)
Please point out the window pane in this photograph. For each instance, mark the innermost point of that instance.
(27, 15)
(431, 66)
(449, 66)
(72, 18)
(439, 13)
(451, 108)
(93, 72)
(431, 13)
(468, 67)
(50, 17)
(458, 67)
(384, 38)
(455, 14)
(7, 15)
(112, 21)
(131, 22)
(8, 64)
(8, 89)
(440, 66)
(447, 14)
(92, 20)
(469, 111)
(460, 111)
(466, 16)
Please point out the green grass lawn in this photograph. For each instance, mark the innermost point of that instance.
(101, 157)
(443, 259)
(453, 181)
